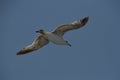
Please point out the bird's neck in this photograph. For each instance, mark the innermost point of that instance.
(43, 33)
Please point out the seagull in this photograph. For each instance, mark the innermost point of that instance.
(55, 36)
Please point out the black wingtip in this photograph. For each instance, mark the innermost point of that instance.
(22, 52)
(85, 20)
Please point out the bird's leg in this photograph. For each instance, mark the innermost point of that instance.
(68, 43)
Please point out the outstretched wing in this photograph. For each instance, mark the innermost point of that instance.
(75, 25)
(38, 43)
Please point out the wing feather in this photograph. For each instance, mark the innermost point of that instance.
(67, 27)
(38, 43)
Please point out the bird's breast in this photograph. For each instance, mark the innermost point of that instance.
(54, 38)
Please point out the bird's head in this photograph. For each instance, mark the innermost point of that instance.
(40, 31)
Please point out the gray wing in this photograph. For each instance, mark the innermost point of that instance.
(67, 27)
(38, 43)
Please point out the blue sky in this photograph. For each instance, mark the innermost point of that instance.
(94, 54)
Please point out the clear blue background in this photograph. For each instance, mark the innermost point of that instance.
(95, 51)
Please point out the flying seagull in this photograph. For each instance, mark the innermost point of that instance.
(56, 36)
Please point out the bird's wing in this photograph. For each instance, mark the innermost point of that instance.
(75, 25)
(38, 43)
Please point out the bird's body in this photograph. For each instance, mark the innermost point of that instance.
(56, 36)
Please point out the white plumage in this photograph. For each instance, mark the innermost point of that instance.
(55, 38)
